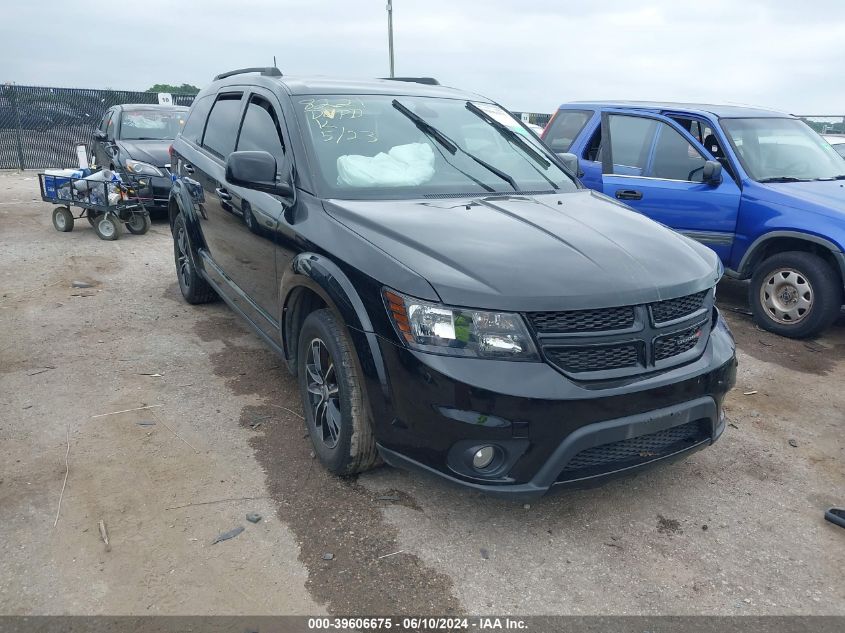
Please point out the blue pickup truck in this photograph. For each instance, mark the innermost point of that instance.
(759, 187)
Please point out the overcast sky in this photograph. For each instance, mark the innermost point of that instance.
(528, 54)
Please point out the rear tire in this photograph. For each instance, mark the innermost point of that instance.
(63, 219)
(332, 397)
(139, 223)
(795, 294)
(195, 289)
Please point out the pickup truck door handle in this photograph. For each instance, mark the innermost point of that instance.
(189, 169)
(629, 194)
(224, 195)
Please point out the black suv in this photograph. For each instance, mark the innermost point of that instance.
(133, 139)
(449, 296)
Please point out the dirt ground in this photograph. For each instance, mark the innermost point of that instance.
(735, 529)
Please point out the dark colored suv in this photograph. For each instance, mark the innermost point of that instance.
(449, 296)
(134, 138)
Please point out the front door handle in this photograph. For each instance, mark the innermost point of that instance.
(224, 195)
(629, 194)
(189, 169)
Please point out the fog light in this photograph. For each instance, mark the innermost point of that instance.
(483, 457)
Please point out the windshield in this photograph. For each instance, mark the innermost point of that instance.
(143, 125)
(385, 146)
(782, 149)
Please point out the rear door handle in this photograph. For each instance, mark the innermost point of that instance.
(223, 194)
(629, 194)
(189, 169)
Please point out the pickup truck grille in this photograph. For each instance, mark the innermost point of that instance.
(622, 341)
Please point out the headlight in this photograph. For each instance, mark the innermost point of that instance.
(142, 169)
(433, 327)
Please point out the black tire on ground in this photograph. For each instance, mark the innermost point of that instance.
(92, 218)
(795, 294)
(139, 223)
(335, 413)
(63, 219)
(195, 289)
(107, 227)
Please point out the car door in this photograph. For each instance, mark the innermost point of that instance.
(219, 218)
(651, 163)
(251, 230)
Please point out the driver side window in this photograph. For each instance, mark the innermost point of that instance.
(675, 158)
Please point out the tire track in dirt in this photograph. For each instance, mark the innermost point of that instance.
(328, 514)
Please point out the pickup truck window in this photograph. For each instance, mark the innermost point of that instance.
(386, 146)
(565, 127)
(785, 150)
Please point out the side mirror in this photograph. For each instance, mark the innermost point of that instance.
(100, 135)
(255, 170)
(570, 161)
(712, 173)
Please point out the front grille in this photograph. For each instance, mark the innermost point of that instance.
(622, 340)
(594, 358)
(677, 342)
(636, 450)
(672, 309)
(582, 320)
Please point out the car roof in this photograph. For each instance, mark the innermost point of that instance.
(151, 106)
(720, 111)
(316, 85)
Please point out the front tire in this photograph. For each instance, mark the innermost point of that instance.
(107, 227)
(195, 289)
(332, 397)
(795, 294)
(63, 219)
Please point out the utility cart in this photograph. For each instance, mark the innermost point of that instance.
(106, 201)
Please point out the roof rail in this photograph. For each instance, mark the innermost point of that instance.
(428, 81)
(267, 71)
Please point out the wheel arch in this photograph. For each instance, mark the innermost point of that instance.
(313, 281)
(783, 241)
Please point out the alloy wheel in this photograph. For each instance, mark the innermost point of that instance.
(323, 392)
(787, 296)
(183, 262)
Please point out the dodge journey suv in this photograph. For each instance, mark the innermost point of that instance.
(448, 295)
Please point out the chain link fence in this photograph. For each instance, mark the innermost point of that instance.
(40, 126)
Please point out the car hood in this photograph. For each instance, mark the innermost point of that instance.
(827, 195)
(152, 152)
(552, 252)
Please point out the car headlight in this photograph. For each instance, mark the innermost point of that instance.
(440, 329)
(141, 169)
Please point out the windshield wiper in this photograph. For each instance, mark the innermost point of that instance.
(427, 128)
(784, 179)
(516, 139)
(510, 134)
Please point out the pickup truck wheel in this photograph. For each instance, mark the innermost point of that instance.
(795, 294)
(332, 397)
(195, 289)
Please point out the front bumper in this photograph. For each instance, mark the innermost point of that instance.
(548, 430)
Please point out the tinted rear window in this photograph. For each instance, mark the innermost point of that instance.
(196, 119)
(222, 128)
(565, 128)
